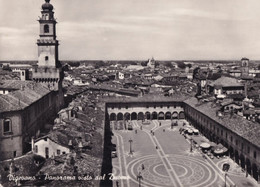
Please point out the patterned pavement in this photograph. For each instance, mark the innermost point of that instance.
(162, 156)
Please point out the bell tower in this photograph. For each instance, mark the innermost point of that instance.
(48, 68)
(47, 44)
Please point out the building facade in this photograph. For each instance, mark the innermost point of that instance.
(237, 134)
(29, 105)
(23, 114)
(145, 110)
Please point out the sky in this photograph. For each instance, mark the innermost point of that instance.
(135, 29)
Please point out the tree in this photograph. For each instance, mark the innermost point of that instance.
(99, 64)
(168, 64)
(144, 63)
(181, 65)
(7, 68)
(74, 64)
(189, 65)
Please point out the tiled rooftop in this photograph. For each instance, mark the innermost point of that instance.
(226, 82)
(147, 98)
(28, 92)
(244, 128)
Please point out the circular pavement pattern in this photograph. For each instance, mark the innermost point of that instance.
(191, 171)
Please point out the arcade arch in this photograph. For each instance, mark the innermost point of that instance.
(181, 115)
(133, 116)
(255, 172)
(154, 115)
(168, 115)
(248, 166)
(147, 115)
(161, 116)
(175, 115)
(140, 116)
(120, 116)
(112, 117)
(127, 116)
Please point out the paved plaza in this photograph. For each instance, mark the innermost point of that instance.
(158, 155)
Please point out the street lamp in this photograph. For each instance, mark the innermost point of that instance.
(139, 178)
(225, 168)
(130, 141)
(191, 141)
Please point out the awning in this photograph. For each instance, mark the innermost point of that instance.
(220, 146)
(213, 144)
(205, 145)
(190, 131)
(218, 151)
(225, 149)
(195, 131)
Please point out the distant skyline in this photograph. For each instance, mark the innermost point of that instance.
(135, 29)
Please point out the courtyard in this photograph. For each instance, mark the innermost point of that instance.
(157, 154)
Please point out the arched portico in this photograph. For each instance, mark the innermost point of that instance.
(140, 116)
(255, 172)
(242, 161)
(248, 166)
(120, 116)
(175, 115)
(134, 116)
(231, 152)
(181, 115)
(112, 117)
(127, 116)
(154, 115)
(161, 116)
(147, 115)
(168, 115)
(236, 157)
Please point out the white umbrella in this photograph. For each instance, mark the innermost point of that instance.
(205, 145)
(218, 151)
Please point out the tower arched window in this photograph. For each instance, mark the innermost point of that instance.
(46, 29)
(46, 58)
(7, 127)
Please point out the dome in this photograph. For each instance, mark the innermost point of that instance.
(47, 5)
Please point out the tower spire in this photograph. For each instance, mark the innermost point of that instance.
(48, 68)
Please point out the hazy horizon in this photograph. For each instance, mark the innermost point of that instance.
(135, 29)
